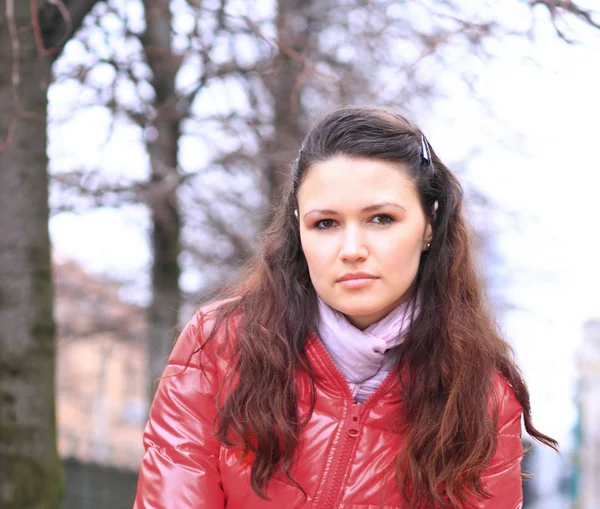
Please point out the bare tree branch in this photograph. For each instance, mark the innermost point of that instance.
(58, 20)
(558, 9)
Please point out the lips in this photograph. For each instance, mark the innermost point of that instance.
(356, 275)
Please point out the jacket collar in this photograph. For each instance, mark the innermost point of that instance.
(329, 377)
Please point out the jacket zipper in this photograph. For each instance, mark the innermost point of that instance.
(326, 358)
(351, 429)
(340, 461)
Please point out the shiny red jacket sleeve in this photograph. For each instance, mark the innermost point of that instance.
(180, 466)
(502, 478)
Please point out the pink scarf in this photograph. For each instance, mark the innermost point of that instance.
(361, 355)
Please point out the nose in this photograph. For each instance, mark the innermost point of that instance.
(353, 245)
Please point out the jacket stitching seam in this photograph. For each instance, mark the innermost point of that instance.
(163, 449)
(178, 365)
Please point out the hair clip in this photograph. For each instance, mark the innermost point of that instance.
(425, 152)
(296, 167)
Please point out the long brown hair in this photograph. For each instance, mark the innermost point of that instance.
(450, 354)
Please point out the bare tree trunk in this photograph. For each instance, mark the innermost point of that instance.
(295, 34)
(166, 220)
(30, 470)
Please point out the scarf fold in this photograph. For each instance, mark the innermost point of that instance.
(361, 355)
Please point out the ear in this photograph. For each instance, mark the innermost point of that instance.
(427, 236)
(429, 230)
(428, 233)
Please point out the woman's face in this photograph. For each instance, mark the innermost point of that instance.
(362, 230)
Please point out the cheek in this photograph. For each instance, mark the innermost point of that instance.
(318, 245)
(402, 256)
(314, 253)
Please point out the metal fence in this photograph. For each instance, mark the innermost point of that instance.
(91, 486)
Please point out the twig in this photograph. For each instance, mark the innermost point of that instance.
(19, 112)
(15, 75)
(37, 32)
(294, 55)
(62, 8)
(11, 131)
(570, 7)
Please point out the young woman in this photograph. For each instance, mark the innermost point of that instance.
(357, 365)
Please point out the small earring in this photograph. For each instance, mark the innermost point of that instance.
(427, 246)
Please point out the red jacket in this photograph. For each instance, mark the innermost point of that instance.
(345, 459)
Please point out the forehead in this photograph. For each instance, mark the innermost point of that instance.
(349, 182)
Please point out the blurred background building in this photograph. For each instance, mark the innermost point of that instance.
(101, 370)
(587, 456)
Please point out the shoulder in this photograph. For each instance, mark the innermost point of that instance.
(505, 404)
(191, 342)
(211, 308)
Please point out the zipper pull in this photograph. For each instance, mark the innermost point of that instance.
(354, 424)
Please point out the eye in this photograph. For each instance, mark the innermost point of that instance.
(382, 219)
(324, 224)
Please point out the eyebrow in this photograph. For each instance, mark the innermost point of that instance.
(370, 208)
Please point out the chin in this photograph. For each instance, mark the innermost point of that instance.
(357, 308)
